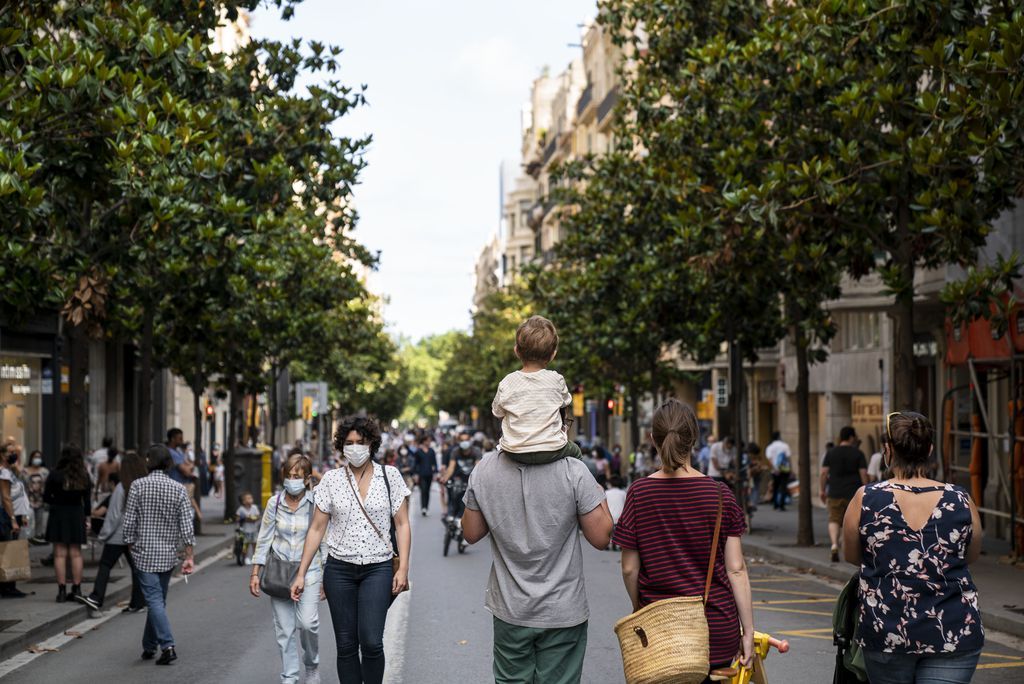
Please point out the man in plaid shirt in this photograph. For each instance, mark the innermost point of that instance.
(157, 518)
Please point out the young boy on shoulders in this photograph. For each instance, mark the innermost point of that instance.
(530, 401)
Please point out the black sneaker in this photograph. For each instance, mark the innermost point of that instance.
(133, 609)
(88, 601)
(148, 655)
(167, 657)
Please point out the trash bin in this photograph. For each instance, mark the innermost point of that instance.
(248, 473)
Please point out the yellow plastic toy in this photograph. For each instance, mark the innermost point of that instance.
(753, 673)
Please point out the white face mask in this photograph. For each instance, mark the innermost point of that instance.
(37, 461)
(294, 487)
(356, 454)
(465, 445)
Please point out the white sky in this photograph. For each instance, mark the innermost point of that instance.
(446, 83)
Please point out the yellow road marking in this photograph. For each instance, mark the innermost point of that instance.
(996, 666)
(825, 634)
(791, 610)
(786, 601)
(763, 580)
(1000, 655)
(795, 593)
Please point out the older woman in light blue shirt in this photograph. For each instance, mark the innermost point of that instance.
(283, 533)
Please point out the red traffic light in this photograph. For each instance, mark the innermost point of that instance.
(610, 404)
(209, 410)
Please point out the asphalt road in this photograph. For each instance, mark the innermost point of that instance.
(438, 633)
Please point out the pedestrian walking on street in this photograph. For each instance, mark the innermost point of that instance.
(10, 522)
(536, 591)
(133, 468)
(356, 506)
(721, 461)
(913, 539)
(424, 470)
(843, 471)
(68, 491)
(283, 533)
(35, 475)
(157, 519)
(780, 457)
(666, 532)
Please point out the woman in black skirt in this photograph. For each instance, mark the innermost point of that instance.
(67, 492)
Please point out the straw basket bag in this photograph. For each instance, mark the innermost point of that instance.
(667, 642)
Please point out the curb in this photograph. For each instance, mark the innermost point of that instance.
(842, 573)
(79, 613)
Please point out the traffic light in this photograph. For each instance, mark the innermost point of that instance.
(611, 405)
(209, 410)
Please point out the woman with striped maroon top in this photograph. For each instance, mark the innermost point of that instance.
(665, 532)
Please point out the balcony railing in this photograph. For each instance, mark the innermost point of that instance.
(607, 104)
(549, 151)
(585, 99)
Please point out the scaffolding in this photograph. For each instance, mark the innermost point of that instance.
(986, 440)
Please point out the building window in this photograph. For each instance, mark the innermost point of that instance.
(857, 331)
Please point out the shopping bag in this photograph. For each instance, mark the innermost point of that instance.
(14, 565)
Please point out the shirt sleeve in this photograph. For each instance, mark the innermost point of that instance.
(589, 494)
(399, 490)
(469, 498)
(322, 496)
(625, 530)
(827, 461)
(185, 515)
(496, 406)
(564, 390)
(734, 524)
(266, 536)
(131, 516)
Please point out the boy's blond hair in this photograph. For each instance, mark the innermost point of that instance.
(536, 340)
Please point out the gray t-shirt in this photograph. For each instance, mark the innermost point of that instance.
(532, 512)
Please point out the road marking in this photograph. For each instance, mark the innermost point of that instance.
(791, 610)
(805, 594)
(1000, 655)
(996, 666)
(784, 602)
(396, 627)
(766, 580)
(825, 633)
(54, 643)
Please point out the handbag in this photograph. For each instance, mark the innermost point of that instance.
(667, 641)
(278, 575)
(14, 561)
(393, 541)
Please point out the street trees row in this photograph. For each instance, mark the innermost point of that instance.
(765, 153)
(193, 202)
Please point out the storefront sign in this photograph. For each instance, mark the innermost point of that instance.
(21, 389)
(866, 415)
(12, 372)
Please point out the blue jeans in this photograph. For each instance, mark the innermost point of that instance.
(158, 627)
(295, 623)
(903, 668)
(359, 597)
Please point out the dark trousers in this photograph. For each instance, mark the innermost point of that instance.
(426, 480)
(111, 552)
(779, 490)
(359, 597)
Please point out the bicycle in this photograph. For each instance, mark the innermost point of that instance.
(755, 672)
(452, 526)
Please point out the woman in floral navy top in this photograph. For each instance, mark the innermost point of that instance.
(913, 538)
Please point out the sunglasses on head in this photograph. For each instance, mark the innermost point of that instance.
(906, 414)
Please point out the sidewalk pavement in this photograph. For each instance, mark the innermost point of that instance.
(38, 616)
(1000, 583)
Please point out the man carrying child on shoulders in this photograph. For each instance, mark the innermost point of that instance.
(532, 499)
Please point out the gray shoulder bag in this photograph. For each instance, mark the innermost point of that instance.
(278, 575)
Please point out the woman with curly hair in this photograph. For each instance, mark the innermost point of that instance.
(357, 507)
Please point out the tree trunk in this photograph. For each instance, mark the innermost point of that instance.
(902, 316)
(230, 504)
(805, 519)
(145, 430)
(737, 402)
(76, 385)
(272, 403)
(634, 419)
(197, 445)
(253, 430)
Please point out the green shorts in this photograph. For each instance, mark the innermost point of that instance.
(531, 655)
(570, 450)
